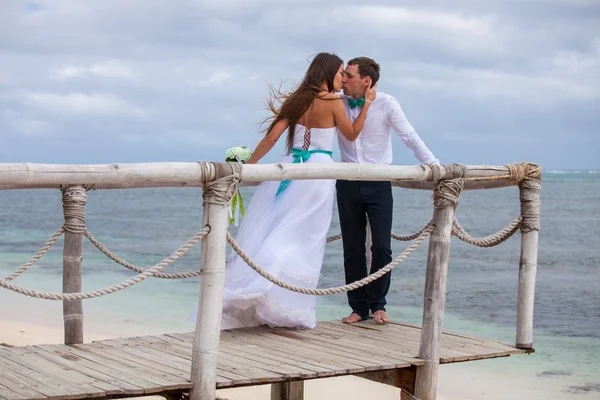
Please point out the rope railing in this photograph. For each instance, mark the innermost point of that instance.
(335, 290)
(111, 289)
(457, 230)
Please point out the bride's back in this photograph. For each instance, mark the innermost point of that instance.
(320, 112)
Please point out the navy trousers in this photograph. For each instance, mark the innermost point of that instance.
(357, 201)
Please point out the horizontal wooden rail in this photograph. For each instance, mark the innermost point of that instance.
(193, 174)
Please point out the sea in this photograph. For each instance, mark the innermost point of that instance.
(144, 226)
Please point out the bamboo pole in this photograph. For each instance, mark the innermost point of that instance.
(74, 200)
(435, 287)
(529, 193)
(469, 185)
(143, 175)
(425, 185)
(205, 351)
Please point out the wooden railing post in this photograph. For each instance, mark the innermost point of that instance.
(529, 193)
(74, 199)
(205, 350)
(446, 194)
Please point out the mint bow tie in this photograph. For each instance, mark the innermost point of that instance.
(353, 102)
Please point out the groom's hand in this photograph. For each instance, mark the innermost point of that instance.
(371, 92)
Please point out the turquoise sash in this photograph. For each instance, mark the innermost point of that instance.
(300, 156)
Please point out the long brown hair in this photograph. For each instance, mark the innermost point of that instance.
(293, 105)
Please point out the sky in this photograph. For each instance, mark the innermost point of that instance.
(123, 81)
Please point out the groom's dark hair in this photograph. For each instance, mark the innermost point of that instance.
(366, 67)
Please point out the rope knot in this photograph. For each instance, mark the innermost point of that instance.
(447, 192)
(452, 171)
(529, 178)
(74, 199)
(221, 190)
(524, 171)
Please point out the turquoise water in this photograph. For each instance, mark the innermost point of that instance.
(144, 226)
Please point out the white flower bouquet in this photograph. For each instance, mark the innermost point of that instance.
(238, 153)
(236, 207)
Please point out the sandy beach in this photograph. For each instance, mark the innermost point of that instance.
(466, 381)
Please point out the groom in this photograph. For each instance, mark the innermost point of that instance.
(359, 200)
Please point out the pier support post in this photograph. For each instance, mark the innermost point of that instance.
(287, 390)
(205, 350)
(446, 194)
(74, 199)
(529, 193)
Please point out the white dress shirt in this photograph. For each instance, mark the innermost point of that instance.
(374, 144)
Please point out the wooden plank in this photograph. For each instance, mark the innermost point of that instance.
(30, 379)
(293, 344)
(160, 381)
(453, 349)
(137, 354)
(241, 359)
(283, 370)
(283, 366)
(405, 343)
(50, 374)
(68, 378)
(343, 363)
(392, 350)
(257, 376)
(229, 379)
(85, 377)
(14, 389)
(357, 349)
(307, 357)
(106, 366)
(261, 352)
(154, 354)
(447, 335)
(117, 385)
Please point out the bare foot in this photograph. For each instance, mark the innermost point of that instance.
(352, 318)
(380, 317)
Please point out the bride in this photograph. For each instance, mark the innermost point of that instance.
(286, 224)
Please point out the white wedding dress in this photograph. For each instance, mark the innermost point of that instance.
(285, 234)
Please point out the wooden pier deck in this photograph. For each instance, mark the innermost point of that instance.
(161, 364)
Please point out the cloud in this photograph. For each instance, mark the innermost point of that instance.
(216, 79)
(27, 126)
(187, 79)
(108, 69)
(533, 90)
(83, 104)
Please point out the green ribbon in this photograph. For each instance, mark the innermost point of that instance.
(300, 156)
(236, 201)
(353, 102)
